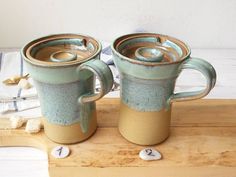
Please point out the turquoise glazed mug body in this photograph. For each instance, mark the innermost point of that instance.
(63, 68)
(149, 65)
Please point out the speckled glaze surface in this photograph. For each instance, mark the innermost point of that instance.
(149, 65)
(61, 100)
(63, 68)
(153, 93)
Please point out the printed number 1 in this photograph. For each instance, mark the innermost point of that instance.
(60, 151)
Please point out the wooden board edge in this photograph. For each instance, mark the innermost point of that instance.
(142, 171)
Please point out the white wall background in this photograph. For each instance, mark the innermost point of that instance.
(200, 23)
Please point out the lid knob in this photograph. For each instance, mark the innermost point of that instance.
(149, 54)
(62, 56)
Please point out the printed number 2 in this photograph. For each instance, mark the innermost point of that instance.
(149, 152)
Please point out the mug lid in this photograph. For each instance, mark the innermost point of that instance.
(61, 50)
(150, 48)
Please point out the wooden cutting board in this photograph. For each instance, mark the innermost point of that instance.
(202, 143)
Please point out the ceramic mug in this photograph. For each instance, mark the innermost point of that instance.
(63, 68)
(149, 65)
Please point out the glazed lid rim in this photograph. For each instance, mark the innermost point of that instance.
(50, 37)
(132, 36)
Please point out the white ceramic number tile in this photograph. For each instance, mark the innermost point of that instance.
(150, 154)
(60, 152)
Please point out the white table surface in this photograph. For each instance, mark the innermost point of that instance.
(30, 162)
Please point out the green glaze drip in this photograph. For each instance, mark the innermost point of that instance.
(146, 95)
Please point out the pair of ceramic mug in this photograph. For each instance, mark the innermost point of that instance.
(64, 67)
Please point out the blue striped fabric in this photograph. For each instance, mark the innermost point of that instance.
(0, 60)
(107, 50)
(19, 90)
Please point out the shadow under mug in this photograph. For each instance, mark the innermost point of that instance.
(65, 82)
(147, 77)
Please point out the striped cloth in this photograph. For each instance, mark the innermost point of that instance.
(25, 102)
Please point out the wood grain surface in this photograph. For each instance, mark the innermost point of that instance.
(202, 143)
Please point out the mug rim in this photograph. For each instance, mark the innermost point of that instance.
(50, 37)
(132, 35)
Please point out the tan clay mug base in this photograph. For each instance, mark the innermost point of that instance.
(69, 134)
(144, 128)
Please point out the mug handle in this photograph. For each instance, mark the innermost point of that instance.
(104, 75)
(208, 72)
